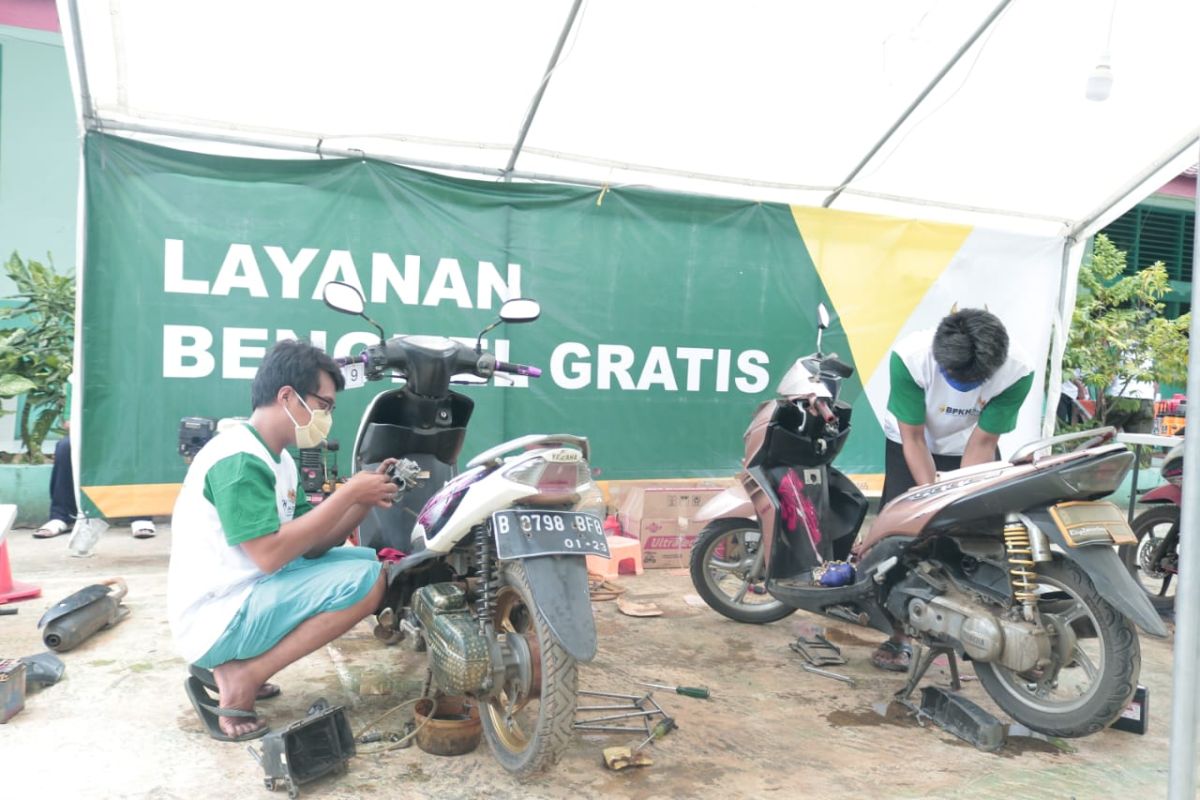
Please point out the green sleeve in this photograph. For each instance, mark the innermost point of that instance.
(242, 487)
(1000, 413)
(906, 399)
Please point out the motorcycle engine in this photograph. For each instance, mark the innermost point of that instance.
(458, 652)
(984, 636)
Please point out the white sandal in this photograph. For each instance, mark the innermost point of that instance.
(55, 527)
(143, 528)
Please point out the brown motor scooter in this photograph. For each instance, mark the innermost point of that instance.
(1010, 565)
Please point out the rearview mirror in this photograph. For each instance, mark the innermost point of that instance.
(520, 309)
(344, 298)
(822, 316)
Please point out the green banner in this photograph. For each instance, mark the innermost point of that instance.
(666, 318)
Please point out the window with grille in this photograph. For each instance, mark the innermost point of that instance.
(1149, 234)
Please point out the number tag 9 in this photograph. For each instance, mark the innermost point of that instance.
(355, 375)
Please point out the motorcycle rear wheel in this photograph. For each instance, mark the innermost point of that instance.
(527, 732)
(1111, 661)
(1150, 527)
(720, 568)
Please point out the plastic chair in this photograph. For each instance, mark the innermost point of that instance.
(626, 558)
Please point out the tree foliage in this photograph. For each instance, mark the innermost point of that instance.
(1118, 330)
(37, 347)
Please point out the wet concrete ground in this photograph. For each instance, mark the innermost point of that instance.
(120, 726)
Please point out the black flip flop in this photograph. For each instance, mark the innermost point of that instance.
(210, 714)
(205, 676)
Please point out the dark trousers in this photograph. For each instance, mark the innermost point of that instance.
(62, 484)
(898, 479)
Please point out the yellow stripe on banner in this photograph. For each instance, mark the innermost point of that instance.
(134, 499)
(875, 270)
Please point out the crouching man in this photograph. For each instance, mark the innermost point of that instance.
(257, 579)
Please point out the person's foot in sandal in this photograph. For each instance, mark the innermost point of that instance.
(237, 690)
(893, 656)
(54, 527)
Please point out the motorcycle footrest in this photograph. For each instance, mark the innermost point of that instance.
(819, 652)
(958, 715)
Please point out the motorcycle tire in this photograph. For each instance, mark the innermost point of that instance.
(522, 752)
(1143, 525)
(702, 552)
(1117, 677)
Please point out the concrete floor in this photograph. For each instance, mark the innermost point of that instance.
(120, 726)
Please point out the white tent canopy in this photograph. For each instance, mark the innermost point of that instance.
(955, 110)
(765, 100)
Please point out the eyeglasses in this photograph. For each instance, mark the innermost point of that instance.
(325, 403)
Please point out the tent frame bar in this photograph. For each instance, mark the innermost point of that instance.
(933, 84)
(318, 148)
(541, 90)
(1084, 228)
(87, 108)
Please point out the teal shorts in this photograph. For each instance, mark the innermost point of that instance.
(298, 591)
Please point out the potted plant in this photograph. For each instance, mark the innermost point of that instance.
(36, 350)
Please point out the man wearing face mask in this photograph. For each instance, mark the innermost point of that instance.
(954, 391)
(257, 579)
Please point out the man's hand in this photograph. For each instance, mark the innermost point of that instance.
(371, 488)
(386, 465)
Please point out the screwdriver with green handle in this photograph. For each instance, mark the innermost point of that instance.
(686, 691)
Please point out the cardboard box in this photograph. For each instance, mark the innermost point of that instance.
(661, 519)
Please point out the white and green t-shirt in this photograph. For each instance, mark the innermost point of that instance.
(235, 490)
(921, 395)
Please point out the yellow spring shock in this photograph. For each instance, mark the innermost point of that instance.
(1022, 571)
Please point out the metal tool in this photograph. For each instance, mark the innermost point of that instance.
(610, 694)
(607, 729)
(660, 730)
(818, 651)
(4, 610)
(826, 673)
(686, 691)
(626, 715)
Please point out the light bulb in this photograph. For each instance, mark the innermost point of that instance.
(1099, 85)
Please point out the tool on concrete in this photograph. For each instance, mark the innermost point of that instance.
(818, 651)
(6, 610)
(827, 674)
(626, 715)
(608, 728)
(966, 720)
(618, 758)
(686, 691)
(611, 694)
(660, 730)
(72, 620)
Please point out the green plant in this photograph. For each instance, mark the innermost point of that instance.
(37, 347)
(1118, 334)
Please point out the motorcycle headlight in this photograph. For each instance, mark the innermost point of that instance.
(559, 483)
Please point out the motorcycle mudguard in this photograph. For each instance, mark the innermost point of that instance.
(733, 502)
(1167, 493)
(1110, 577)
(560, 590)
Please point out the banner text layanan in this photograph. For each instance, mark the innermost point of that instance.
(665, 320)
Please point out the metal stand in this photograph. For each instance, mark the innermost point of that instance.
(922, 660)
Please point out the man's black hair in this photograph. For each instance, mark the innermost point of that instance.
(970, 345)
(295, 363)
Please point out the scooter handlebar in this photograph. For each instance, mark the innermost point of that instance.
(519, 369)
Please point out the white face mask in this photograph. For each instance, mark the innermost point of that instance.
(316, 430)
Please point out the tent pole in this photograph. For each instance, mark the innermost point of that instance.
(1084, 229)
(541, 90)
(1181, 783)
(86, 108)
(1059, 333)
(987, 23)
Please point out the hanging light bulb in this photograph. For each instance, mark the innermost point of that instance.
(1099, 85)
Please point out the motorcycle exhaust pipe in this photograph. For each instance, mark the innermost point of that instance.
(82, 614)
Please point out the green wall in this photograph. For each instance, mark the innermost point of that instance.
(39, 157)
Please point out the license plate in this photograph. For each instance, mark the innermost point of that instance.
(522, 533)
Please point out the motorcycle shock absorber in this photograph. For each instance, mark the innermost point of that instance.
(485, 604)
(1022, 569)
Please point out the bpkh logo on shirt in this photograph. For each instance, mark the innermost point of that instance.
(953, 411)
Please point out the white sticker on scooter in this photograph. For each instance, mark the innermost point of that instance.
(355, 375)
(812, 477)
